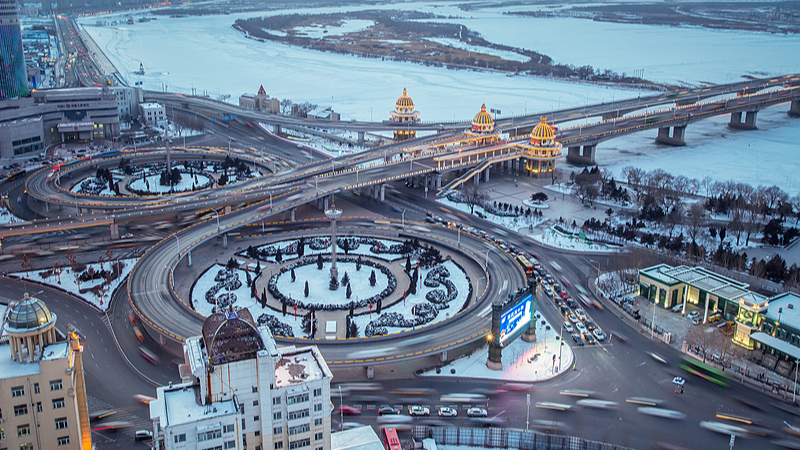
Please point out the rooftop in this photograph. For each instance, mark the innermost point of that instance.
(360, 438)
(12, 369)
(150, 105)
(300, 366)
(179, 404)
(785, 309)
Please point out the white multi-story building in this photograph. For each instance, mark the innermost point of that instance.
(128, 99)
(153, 114)
(241, 391)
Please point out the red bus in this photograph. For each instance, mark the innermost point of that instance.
(390, 439)
(526, 265)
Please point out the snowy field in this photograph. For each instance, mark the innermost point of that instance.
(7, 216)
(151, 183)
(553, 238)
(69, 284)
(457, 276)
(318, 281)
(206, 281)
(104, 191)
(512, 223)
(519, 363)
(362, 249)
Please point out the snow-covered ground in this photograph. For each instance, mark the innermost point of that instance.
(522, 361)
(243, 300)
(319, 280)
(7, 216)
(105, 191)
(151, 183)
(69, 284)
(512, 223)
(362, 249)
(457, 276)
(554, 238)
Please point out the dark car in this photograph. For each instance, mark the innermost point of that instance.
(577, 338)
(557, 288)
(589, 339)
(386, 410)
(589, 325)
(565, 310)
(572, 303)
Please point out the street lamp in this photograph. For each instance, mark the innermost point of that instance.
(459, 236)
(216, 214)
(404, 219)
(229, 146)
(178, 243)
(486, 264)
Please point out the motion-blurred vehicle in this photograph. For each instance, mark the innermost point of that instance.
(349, 410)
(149, 355)
(388, 410)
(658, 358)
(143, 399)
(476, 412)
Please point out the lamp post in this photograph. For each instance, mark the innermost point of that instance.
(332, 213)
(178, 243)
(459, 236)
(486, 263)
(653, 322)
(229, 146)
(341, 411)
(216, 214)
(794, 392)
(404, 219)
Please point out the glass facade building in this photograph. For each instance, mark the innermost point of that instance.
(13, 78)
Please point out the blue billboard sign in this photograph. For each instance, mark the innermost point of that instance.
(515, 319)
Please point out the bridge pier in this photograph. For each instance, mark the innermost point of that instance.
(438, 181)
(676, 138)
(225, 240)
(794, 110)
(189, 256)
(383, 192)
(276, 129)
(749, 122)
(476, 179)
(114, 231)
(582, 155)
(486, 174)
(293, 213)
(360, 137)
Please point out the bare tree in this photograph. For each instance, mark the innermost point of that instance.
(706, 182)
(635, 177)
(724, 348)
(695, 221)
(702, 337)
(474, 196)
(26, 264)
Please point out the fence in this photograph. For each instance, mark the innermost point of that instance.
(508, 438)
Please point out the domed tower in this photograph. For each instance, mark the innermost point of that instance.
(30, 327)
(404, 113)
(543, 150)
(483, 122)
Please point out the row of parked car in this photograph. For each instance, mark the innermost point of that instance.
(417, 411)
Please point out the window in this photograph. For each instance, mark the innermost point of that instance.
(27, 446)
(242, 424)
(278, 445)
(299, 398)
(318, 448)
(58, 403)
(229, 444)
(17, 391)
(61, 423)
(208, 435)
(228, 428)
(300, 443)
(241, 408)
(317, 392)
(298, 429)
(55, 385)
(276, 400)
(218, 447)
(298, 414)
(317, 422)
(23, 430)
(63, 441)
(20, 410)
(277, 430)
(318, 407)
(2, 434)
(255, 402)
(35, 388)
(38, 406)
(180, 438)
(255, 418)
(258, 433)
(317, 436)
(276, 416)
(255, 389)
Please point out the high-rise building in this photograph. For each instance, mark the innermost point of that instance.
(42, 387)
(13, 78)
(240, 391)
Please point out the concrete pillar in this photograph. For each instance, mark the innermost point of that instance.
(676, 138)
(383, 192)
(749, 122)
(476, 178)
(794, 110)
(293, 212)
(227, 209)
(276, 129)
(225, 240)
(581, 155)
(283, 215)
(325, 205)
(360, 137)
(114, 231)
(189, 256)
(47, 207)
(439, 181)
(486, 173)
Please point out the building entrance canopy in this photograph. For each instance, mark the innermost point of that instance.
(779, 345)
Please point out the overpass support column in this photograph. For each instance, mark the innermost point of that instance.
(486, 173)
(749, 122)
(439, 181)
(114, 231)
(383, 192)
(293, 214)
(582, 155)
(225, 240)
(476, 178)
(189, 256)
(676, 138)
(276, 129)
(794, 110)
(360, 137)
(495, 361)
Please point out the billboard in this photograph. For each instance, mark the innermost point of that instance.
(515, 319)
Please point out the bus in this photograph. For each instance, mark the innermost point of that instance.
(16, 175)
(390, 439)
(705, 371)
(526, 265)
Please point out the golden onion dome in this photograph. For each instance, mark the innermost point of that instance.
(404, 101)
(483, 118)
(543, 131)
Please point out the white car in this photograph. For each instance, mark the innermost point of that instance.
(568, 327)
(476, 412)
(547, 290)
(693, 314)
(573, 319)
(143, 435)
(580, 313)
(444, 411)
(599, 335)
(419, 411)
(580, 327)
